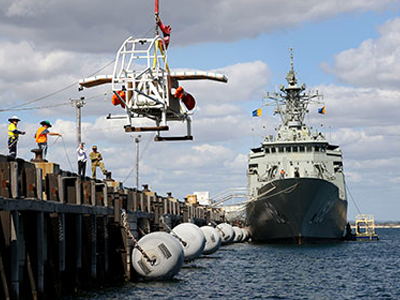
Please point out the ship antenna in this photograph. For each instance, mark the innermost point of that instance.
(291, 77)
(291, 59)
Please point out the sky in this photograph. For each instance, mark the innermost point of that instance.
(347, 50)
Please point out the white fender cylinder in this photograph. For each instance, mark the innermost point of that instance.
(213, 239)
(191, 238)
(166, 252)
(238, 234)
(227, 233)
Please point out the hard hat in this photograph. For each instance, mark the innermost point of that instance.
(14, 118)
(45, 123)
(94, 147)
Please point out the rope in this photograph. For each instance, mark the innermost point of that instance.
(286, 191)
(54, 142)
(352, 199)
(56, 92)
(8, 147)
(37, 107)
(172, 232)
(53, 105)
(66, 154)
(130, 235)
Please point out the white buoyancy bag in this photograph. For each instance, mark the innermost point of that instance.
(238, 234)
(227, 233)
(165, 253)
(213, 239)
(192, 239)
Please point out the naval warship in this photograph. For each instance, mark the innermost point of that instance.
(295, 182)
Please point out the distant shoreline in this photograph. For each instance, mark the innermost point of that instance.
(387, 226)
(383, 226)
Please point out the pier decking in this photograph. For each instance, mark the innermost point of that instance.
(60, 233)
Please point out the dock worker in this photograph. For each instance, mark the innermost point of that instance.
(13, 135)
(41, 137)
(82, 158)
(282, 173)
(96, 159)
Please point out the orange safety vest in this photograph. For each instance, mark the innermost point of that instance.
(41, 138)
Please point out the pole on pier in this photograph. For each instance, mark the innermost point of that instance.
(78, 103)
(137, 141)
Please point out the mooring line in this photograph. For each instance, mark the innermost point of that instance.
(130, 235)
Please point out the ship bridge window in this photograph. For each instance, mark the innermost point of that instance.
(288, 149)
(316, 148)
(273, 150)
(281, 149)
(266, 150)
(301, 148)
(295, 149)
(253, 166)
(309, 149)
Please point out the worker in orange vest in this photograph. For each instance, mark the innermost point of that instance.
(41, 137)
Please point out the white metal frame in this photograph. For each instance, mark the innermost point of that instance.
(141, 70)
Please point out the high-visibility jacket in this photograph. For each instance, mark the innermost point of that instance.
(41, 135)
(13, 131)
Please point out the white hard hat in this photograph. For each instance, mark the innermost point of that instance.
(14, 118)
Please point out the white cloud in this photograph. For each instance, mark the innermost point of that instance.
(99, 26)
(375, 63)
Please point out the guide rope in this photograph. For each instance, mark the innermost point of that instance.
(355, 204)
(12, 144)
(66, 154)
(130, 235)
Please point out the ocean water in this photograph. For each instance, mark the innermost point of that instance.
(345, 270)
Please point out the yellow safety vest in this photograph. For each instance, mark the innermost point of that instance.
(11, 129)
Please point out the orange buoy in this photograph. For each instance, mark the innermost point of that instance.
(179, 92)
(116, 101)
(186, 98)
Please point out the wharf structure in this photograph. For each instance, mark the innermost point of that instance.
(60, 233)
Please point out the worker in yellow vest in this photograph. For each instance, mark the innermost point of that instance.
(41, 137)
(13, 136)
(96, 159)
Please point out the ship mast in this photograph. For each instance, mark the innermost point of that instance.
(293, 98)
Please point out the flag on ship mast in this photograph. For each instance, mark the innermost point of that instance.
(321, 110)
(257, 112)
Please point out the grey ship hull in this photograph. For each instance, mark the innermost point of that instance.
(297, 209)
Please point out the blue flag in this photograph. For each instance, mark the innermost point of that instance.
(257, 112)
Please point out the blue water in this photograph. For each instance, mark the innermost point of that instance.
(347, 270)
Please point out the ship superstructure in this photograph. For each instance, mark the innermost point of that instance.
(295, 179)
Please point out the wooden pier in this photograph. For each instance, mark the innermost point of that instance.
(60, 233)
